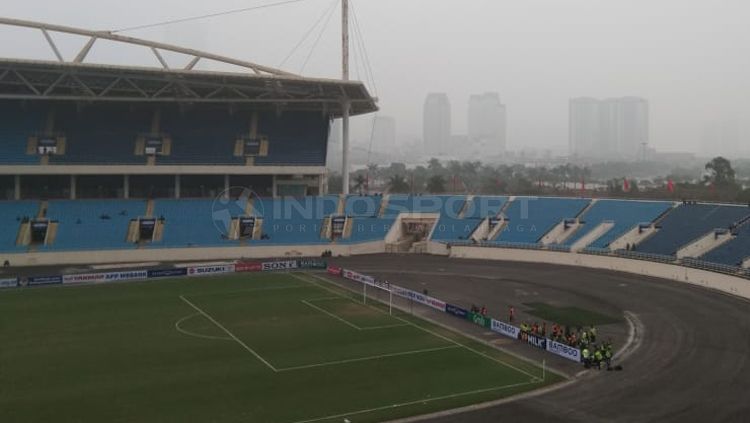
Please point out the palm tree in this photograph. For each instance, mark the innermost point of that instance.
(359, 182)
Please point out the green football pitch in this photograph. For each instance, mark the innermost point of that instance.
(287, 348)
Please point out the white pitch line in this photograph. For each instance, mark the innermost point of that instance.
(327, 313)
(374, 357)
(231, 335)
(342, 320)
(239, 291)
(422, 401)
(197, 335)
(435, 334)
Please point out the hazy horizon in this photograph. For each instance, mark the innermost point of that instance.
(687, 58)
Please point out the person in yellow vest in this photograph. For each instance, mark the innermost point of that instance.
(598, 356)
(586, 354)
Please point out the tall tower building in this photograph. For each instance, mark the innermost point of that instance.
(487, 122)
(384, 134)
(613, 128)
(437, 124)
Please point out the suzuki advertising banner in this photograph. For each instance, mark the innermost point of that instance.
(210, 270)
(505, 329)
(8, 283)
(565, 351)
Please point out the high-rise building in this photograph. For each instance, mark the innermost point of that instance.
(487, 123)
(384, 134)
(613, 128)
(437, 124)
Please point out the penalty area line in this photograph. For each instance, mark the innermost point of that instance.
(433, 333)
(374, 357)
(231, 335)
(422, 401)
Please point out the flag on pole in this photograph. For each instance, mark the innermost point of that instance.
(670, 185)
(626, 185)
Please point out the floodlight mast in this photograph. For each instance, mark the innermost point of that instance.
(346, 105)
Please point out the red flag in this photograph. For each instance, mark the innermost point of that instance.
(670, 186)
(583, 184)
(626, 185)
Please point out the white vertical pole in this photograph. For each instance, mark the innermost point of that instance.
(390, 302)
(345, 147)
(345, 105)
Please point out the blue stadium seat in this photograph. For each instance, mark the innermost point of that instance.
(93, 224)
(366, 229)
(481, 207)
(451, 229)
(203, 137)
(11, 215)
(100, 135)
(530, 218)
(294, 138)
(734, 252)
(192, 223)
(689, 222)
(289, 221)
(624, 214)
(16, 128)
(362, 206)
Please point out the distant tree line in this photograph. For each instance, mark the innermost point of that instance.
(718, 183)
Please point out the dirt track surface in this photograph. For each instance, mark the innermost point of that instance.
(691, 364)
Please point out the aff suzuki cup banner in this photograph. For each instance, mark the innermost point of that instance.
(210, 270)
(565, 351)
(279, 265)
(8, 283)
(44, 280)
(335, 270)
(505, 329)
(105, 277)
(420, 298)
(248, 267)
(457, 311)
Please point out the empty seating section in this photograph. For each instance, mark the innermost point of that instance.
(100, 135)
(451, 229)
(624, 214)
(18, 125)
(294, 138)
(193, 223)
(11, 215)
(481, 207)
(689, 222)
(399, 203)
(362, 206)
(734, 252)
(369, 229)
(203, 137)
(93, 224)
(291, 221)
(530, 218)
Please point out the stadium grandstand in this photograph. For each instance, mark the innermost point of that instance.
(102, 163)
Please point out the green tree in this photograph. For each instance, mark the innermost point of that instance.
(397, 184)
(720, 173)
(436, 184)
(359, 183)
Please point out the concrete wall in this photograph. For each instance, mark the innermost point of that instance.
(183, 254)
(718, 281)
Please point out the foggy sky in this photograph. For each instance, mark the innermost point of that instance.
(689, 58)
